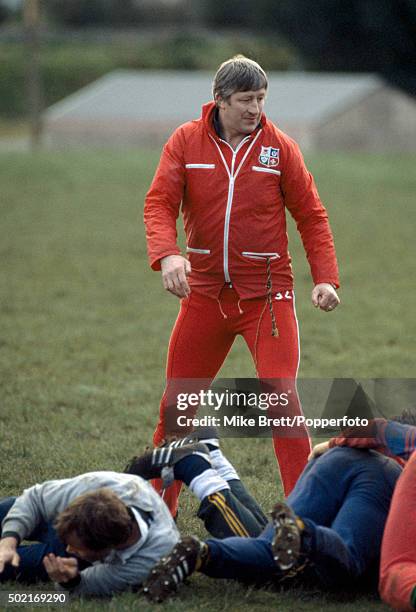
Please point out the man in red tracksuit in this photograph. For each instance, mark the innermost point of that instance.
(233, 173)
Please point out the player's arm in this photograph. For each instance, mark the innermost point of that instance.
(8, 551)
(63, 570)
(398, 438)
(42, 502)
(391, 437)
(175, 270)
(161, 211)
(325, 297)
(22, 518)
(102, 579)
(303, 202)
(362, 436)
(395, 438)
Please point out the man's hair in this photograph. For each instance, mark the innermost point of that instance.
(238, 74)
(99, 519)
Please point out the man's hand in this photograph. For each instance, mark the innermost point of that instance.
(325, 296)
(8, 553)
(60, 569)
(175, 269)
(318, 450)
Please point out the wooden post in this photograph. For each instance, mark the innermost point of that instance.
(31, 17)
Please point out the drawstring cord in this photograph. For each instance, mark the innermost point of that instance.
(275, 331)
(240, 310)
(269, 303)
(257, 339)
(221, 310)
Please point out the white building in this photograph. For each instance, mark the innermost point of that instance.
(321, 111)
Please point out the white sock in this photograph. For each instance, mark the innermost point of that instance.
(207, 483)
(223, 466)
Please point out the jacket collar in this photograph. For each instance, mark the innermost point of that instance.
(212, 124)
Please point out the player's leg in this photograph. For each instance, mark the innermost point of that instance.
(247, 559)
(352, 495)
(340, 504)
(208, 435)
(199, 344)
(343, 499)
(244, 497)
(223, 514)
(226, 470)
(276, 360)
(340, 500)
(259, 559)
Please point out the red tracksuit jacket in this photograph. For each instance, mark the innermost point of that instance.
(233, 205)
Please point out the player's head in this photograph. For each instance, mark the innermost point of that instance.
(94, 523)
(238, 74)
(239, 89)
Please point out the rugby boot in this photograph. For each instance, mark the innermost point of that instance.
(159, 462)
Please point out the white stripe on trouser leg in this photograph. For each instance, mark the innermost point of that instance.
(297, 367)
(297, 328)
(207, 483)
(223, 467)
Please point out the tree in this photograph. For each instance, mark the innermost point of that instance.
(4, 12)
(81, 13)
(334, 35)
(361, 35)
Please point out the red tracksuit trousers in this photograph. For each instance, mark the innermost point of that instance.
(201, 339)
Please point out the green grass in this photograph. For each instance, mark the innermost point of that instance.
(85, 326)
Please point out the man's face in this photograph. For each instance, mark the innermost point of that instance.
(76, 547)
(241, 113)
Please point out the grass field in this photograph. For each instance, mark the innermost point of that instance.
(85, 326)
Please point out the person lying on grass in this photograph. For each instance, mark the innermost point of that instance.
(329, 532)
(331, 529)
(398, 557)
(95, 534)
(101, 533)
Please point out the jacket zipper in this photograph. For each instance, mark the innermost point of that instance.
(232, 178)
(227, 218)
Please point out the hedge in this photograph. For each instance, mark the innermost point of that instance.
(66, 66)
